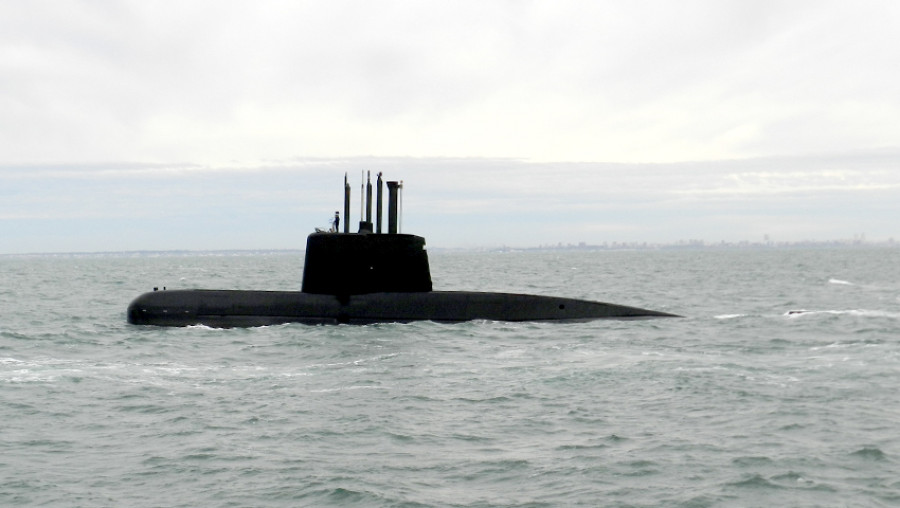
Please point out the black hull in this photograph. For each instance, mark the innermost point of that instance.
(224, 308)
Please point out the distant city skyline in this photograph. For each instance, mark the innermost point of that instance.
(165, 126)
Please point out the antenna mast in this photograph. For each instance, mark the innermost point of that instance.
(346, 204)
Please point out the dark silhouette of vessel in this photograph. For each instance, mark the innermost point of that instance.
(362, 278)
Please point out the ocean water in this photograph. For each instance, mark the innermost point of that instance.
(740, 403)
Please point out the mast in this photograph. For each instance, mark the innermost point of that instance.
(393, 191)
(346, 204)
(369, 197)
(378, 206)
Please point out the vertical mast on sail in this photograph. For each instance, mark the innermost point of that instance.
(346, 204)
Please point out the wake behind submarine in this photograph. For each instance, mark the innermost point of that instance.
(363, 278)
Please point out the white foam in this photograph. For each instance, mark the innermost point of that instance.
(204, 327)
(839, 281)
(850, 312)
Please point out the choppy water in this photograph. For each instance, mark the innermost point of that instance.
(738, 404)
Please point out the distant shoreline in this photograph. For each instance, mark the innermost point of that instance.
(690, 245)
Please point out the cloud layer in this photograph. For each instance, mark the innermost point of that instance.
(217, 82)
(454, 202)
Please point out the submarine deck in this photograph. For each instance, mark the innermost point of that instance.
(241, 308)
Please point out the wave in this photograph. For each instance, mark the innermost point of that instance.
(866, 286)
(755, 481)
(870, 453)
(848, 312)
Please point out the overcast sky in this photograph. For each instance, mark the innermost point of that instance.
(128, 125)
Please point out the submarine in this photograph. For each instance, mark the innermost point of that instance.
(364, 278)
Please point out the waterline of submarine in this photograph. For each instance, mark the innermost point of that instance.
(363, 278)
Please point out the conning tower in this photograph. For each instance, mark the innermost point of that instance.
(368, 261)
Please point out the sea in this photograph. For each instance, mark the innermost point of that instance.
(779, 386)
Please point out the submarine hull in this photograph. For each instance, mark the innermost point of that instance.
(240, 308)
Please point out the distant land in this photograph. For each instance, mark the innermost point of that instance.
(692, 244)
(858, 241)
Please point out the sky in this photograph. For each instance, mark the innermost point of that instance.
(203, 125)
